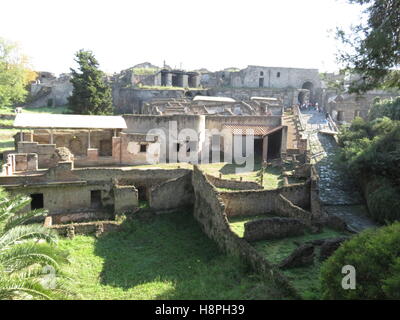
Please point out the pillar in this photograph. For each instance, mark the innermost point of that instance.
(265, 149)
(168, 77)
(185, 81)
(284, 141)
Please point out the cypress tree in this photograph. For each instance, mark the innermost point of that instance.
(91, 94)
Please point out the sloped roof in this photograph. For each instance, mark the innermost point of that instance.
(68, 121)
(264, 98)
(213, 99)
(259, 130)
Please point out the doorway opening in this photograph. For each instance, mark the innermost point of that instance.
(95, 199)
(37, 201)
(274, 145)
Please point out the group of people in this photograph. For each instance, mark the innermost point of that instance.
(310, 106)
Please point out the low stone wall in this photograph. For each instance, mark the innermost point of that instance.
(233, 184)
(81, 216)
(209, 211)
(172, 194)
(256, 202)
(87, 228)
(273, 228)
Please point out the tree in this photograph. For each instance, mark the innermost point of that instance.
(374, 46)
(91, 94)
(26, 251)
(15, 74)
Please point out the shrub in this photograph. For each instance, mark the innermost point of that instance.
(383, 200)
(375, 254)
(385, 108)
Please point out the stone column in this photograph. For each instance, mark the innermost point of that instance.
(116, 149)
(185, 81)
(265, 149)
(168, 77)
(284, 141)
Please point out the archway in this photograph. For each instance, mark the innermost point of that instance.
(308, 85)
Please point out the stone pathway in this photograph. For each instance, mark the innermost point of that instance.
(338, 193)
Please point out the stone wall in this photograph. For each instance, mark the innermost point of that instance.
(286, 208)
(131, 100)
(54, 92)
(81, 216)
(209, 211)
(86, 228)
(233, 184)
(172, 194)
(346, 107)
(46, 153)
(288, 96)
(273, 228)
(256, 202)
(126, 199)
(65, 197)
(68, 190)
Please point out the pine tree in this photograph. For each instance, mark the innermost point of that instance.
(91, 94)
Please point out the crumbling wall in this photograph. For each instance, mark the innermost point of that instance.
(85, 228)
(125, 199)
(172, 194)
(233, 184)
(47, 157)
(273, 228)
(256, 202)
(285, 208)
(288, 96)
(209, 211)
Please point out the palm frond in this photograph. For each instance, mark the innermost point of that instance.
(23, 218)
(15, 288)
(26, 232)
(22, 256)
(10, 206)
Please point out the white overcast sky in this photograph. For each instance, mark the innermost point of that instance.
(214, 34)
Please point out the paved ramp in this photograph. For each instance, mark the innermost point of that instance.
(338, 192)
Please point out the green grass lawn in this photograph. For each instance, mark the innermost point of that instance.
(167, 257)
(237, 223)
(272, 178)
(57, 109)
(6, 123)
(6, 139)
(54, 110)
(304, 279)
(6, 110)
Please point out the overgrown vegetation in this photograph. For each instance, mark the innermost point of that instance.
(305, 279)
(371, 153)
(375, 257)
(166, 257)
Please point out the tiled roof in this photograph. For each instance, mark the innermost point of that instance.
(257, 130)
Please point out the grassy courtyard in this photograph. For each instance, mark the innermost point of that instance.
(7, 139)
(272, 177)
(167, 257)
